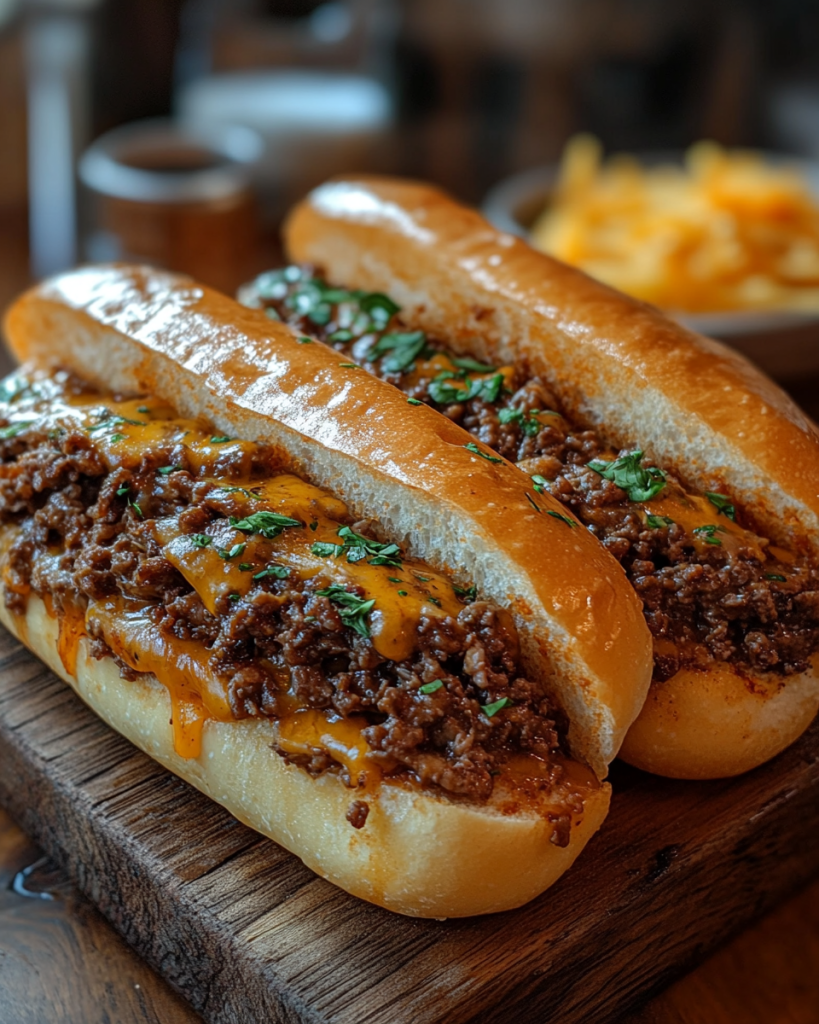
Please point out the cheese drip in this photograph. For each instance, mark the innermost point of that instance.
(225, 563)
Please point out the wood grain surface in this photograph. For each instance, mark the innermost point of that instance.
(245, 932)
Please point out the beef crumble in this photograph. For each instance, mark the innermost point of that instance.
(707, 595)
(449, 715)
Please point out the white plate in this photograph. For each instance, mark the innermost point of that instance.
(783, 343)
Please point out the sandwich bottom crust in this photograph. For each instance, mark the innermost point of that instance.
(718, 722)
(420, 854)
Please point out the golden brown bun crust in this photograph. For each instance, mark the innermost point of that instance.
(691, 403)
(716, 723)
(417, 854)
(135, 330)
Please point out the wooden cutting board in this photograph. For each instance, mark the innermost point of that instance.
(246, 933)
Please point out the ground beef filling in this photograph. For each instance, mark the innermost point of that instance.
(96, 528)
(702, 603)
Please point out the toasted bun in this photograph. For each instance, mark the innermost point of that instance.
(418, 854)
(141, 331)
(720, 722)
(619, 365)
(694, 405)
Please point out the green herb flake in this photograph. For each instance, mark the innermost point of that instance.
(436, 601)
(358, 548)
(414, 401)
(144, 409)
(220, 439)
(123, 490)
(326, 550)
(234, 552)
(658, 522)
(402, 593)
(472, 447)
(314, 525)
(532, 502)
(350, 366)
(565, 519)
(469, 594)
(200, 540)
(641, 483)
(304, 340)
(268, 524)
(433, 687)
(394, 579)
(117, 437)
(279, 572)
(165, 470)
(492, 709)
(708, 532)
(136, 508)
(399, 350)
(245, 566)
(423, 579)
(233, 597)
(722, 504)
(539, 483)
(353, 610)
(775, 576)
(471, 365)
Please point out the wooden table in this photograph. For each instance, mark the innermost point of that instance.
(60, 961)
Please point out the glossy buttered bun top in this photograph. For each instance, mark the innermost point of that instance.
(447, 500)
(692, 404)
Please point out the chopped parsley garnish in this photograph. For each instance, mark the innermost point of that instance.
(241, 490)
(539, 483)
(353, 610)
(236, 550)
(472, 447)
(279, 572)
(432, 687)
(641, 483)
(200, 540)
(708, 533)
(423, 579)
(358, 548)
(117, 437)
(449, 390)
(123, 490)
(400, 350)
(304, 340)
(14, 428)
(165, 470)
(380, 307)
(143, 409)
(394, 579)
(135, 507)
(492, 709)
(109, 420)
(469, 594)
(775, 576)
(722, 504)
(414, 401)
(245, 566)
(350, 366)
(532, 502)
(434, 600)
(528, 424)
(565, 519)
(314, 525)
(402, 593)
(220, 439)
(233, 597)
(658, 522)
(471, 365)
(268, 524)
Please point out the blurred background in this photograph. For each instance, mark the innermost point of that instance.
(177, 131)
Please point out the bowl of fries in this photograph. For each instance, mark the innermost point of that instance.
(726, 242)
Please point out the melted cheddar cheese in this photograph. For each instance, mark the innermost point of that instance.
(226, 562)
